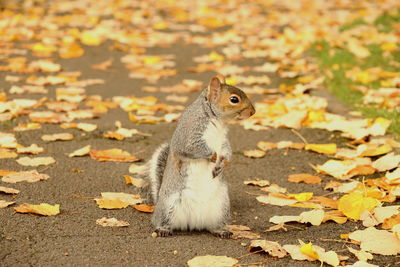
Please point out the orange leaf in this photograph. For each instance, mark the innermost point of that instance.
(144, 208)
(304, 177)
(71, 51)
(114, 154)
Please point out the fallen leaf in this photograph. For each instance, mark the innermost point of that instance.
(270, 247)
(277, 227)
(103, 65)
(26, 161)
(41, 209)
(144, 208)
(304, 177)
(257, 182)
(137, 182)
(322, 148)
(80, 152)
(387, 162)
(111, 203)
(277, 200)
(7, 154)
(57, 137)
(354, 204)
(390, 222)
(336, 216)
(212, 261)
(266, 145)
(137, 169)
(377, 241)
(254, 153)
(127, 198)
(361, 255)
(8, 190)
(241, 231)
(24, 176)
(4, 204)
(114, 154)
(111, 222)
(302, 196)
(32, 149)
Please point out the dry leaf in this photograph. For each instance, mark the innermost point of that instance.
(26, 161)
(57, 137)
(270, 247)
(254, 153)
(138, 182)
(8, 190)
(42, 209)
(387, 162)
(111, 203)
(266, 145)
(114, 154)
(24, 176)
(111, 222)
(257, 182)
(4, 204)
(32, 149)
(212, 261)
(322, 148)
(241, 231)
(80, 152)
(144, 208)
(361, 255)
(354, 204)
(274, 199)
(137, 169)
(304, 177)
(377, 241)
(127, 198)
(7, 154)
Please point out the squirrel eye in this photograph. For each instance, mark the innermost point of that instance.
(234, 99)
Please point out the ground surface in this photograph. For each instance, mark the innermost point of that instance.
(72, 238)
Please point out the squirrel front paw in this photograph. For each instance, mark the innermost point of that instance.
(219, 167)
(163, 232)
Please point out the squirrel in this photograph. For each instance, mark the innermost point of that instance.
(185, 175)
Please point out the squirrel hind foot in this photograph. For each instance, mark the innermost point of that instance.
(163, 232)
(222, 233)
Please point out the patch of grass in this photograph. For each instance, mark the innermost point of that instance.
(335, 61)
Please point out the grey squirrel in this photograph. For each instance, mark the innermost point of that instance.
(185, 175)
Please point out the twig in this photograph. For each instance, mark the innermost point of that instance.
(249, 254)
(300, 136)
(336, 240)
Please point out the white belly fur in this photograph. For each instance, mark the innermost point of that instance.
(201, 204)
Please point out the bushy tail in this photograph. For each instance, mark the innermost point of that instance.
(155, 170)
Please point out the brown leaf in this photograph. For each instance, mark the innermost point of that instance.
(270, 247)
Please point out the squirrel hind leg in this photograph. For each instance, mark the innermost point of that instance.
(222, 233)
(163, 232)
(155, 172)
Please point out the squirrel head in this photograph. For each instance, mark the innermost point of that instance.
(229, 101)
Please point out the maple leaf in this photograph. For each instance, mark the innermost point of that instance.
(41, 209)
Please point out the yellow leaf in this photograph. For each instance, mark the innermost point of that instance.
(354, 204)
(214, 56)
(302, 196)
(42, 209)
(322, 148)
(90, 38)
(111, 204)
(152, 60)
(309, 250)
(389, 47)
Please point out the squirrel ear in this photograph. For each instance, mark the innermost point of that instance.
(214, 88)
